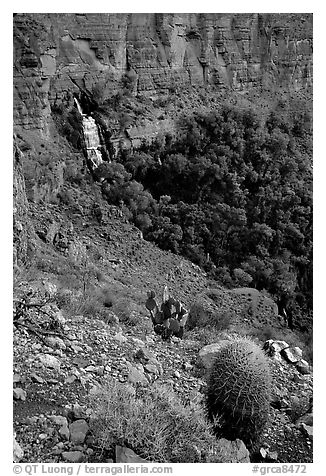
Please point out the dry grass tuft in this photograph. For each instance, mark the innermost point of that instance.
(153, 423)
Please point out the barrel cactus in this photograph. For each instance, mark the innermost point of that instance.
(238, 391)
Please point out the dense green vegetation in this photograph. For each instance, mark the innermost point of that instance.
(234, 195)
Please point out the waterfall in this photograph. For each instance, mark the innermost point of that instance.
(92, 139)
(79, 107)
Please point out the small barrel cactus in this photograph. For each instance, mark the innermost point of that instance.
(238, 391)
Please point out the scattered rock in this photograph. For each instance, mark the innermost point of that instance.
(55, 342)
(303, 367)
(90, 368)
(58, 420)
(292, 354)
(187, 366)
(307, 419)
(120, 338)
(273, 347)
(273, 455)
(18, 453)
(278, 398)
(231, 451)
(263, 452)
(177, 374)
(19, 394)
(64, 432)
(78, 431)
(148, 360)
(76, 348)
(36, 378)
(145, 355)
(151, 369)
(126, 455)
(18, 378)
(50, 361)
(77, 412)
(81, 362)
(307, 430)
(135, 376)
(73, 456)
(268, 455)
(70, 379)
(138, 342)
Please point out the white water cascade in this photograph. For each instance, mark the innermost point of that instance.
(92, 139)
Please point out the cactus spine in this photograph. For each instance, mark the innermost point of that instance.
(238, 392)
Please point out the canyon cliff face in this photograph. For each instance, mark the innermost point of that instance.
(59, 55)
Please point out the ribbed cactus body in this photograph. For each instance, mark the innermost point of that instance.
(238, 391)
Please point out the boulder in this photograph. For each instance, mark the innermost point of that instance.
(78, 431)
(49, 361)
(208, 353)
(231, 451)
(292, 354)
(126, 455)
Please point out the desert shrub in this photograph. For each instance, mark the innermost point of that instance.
(86, 304)
(154, 423)
(241, 278)
(64, 298)
(65, 196)
(203, 335)
(265, 333)
(106, 296)
(200, 315)
(126, 311)
(238, 391)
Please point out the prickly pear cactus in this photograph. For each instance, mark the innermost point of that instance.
(151, 303)
(238, 391)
